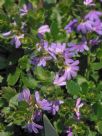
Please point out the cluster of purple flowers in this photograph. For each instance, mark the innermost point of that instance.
(90, 23)
(66, 52)
(39, 105)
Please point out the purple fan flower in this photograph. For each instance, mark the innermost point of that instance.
(93, 16)
(24, 10)
(89, 3)
(6, 34)
(35, 60)
(16, 40)
(97, 27)
(42, 104)
(43, 29)
(55, 106)
(59, 80)
(71, 69)
(33, 127)
(79, 47)
(69, 132)
(69, 28)
(94, 41)
(85, 27)
(79, 104)
(67, 53)
(24, 95)
(38, 115)
(43, 60)
(57, 48)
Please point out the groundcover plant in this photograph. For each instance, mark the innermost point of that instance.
(50, 67)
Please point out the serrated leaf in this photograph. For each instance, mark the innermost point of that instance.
(48, 128)
(8, 93)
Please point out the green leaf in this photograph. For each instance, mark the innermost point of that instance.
(13, 101)
(81, 79)
(2, 2)
(48, 128)
(5, 134)
(13, 77)
(29, 82)
(54, 29)
(43, 75)
(23, 105)
(73, 88)
(2, 102)
(98, 110)
(8, 93)
(91, 133)
(96, 66)
(24, 62)
(85, 87)
(6, 110)
(99, 127)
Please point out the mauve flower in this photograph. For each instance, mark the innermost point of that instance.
(97, 27)
(89, 3)
(79, 104)
(69, 132)
(57, 48)
(55, 106)
(33, 127)
(69, 28)
(93, 16)
(16, 40)
(71, 69)
(43, 60)
(35, 60)
(94, 41)
(67, 53)
(85, 27)
(38, 115)
(24, 95)
(42, 104)
(24, 10)
(81, 47)
(59, 80)
(6, 34)
(43, 29)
